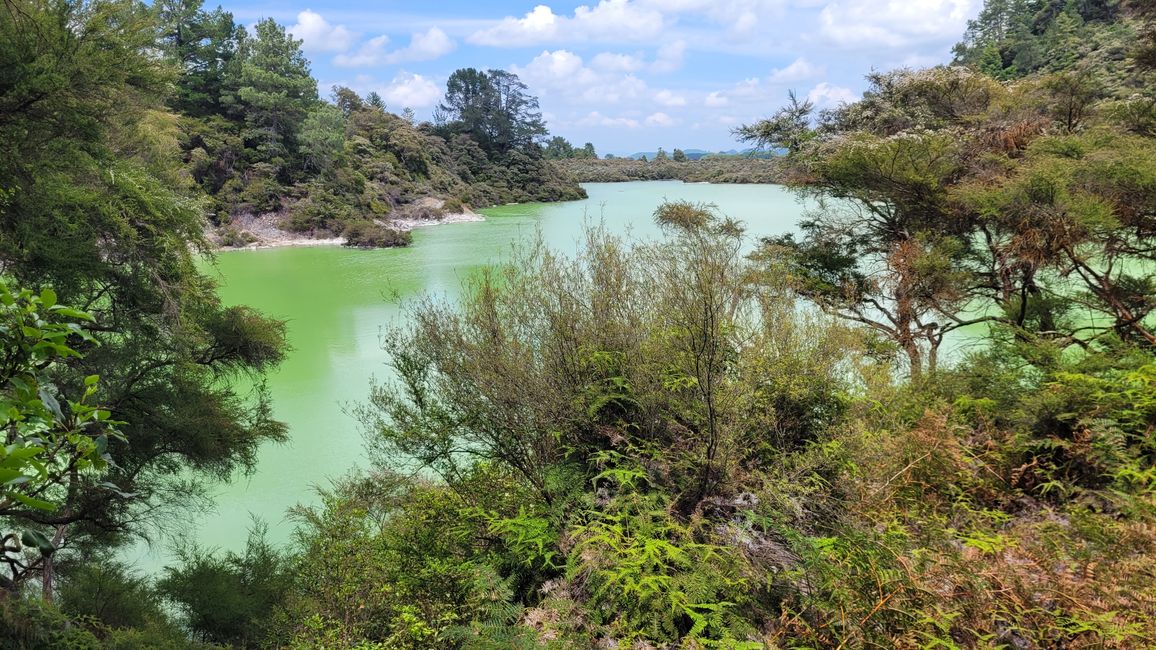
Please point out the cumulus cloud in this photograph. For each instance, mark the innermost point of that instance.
(609, 20)
(659, 119)
(594, 118)
(895, 23)
(557, 70)
(799, 70)
(561, 73)
(668, 98)
(669, 57)
(773, 87)
(411, 90)
(716, 100)
(318, 35)
(423, 46)
(613, 62)
(826, 95)
(739, 17)
(746, 88)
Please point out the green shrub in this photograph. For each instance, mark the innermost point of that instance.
(366, 234)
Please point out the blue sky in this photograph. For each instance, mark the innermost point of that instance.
(627, 75)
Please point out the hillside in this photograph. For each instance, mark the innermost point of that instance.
(1016, 38)
(270, 154)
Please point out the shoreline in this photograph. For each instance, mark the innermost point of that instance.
(286, 239)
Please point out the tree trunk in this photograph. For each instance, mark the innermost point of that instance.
(48, 573)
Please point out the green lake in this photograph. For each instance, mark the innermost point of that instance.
(337, 301)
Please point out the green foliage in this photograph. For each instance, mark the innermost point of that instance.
(271, 90)
(648, 577)
(494, 109)
(1017, 38)
(703, 170)
(33, 625)
(96, 207)
(228, 599)
(203, 44)
(366, 234)
(558, 148)
(53, 445)
(788, 128)
(322, 168)
(607, 404)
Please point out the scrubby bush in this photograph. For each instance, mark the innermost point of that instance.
(366, 234)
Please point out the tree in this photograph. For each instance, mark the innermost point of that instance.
(559, 148)
(679, 156)
(494, 108)
(229, 598)
(925, 236)
(54, 447)
(875, 252)
(96, 206)
(661, 156)
(322, 138)
(271, 90)
(1145, 52)
(789, 128)
(588, 151)
(203, 45)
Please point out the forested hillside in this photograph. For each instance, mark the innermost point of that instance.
(268, 151)
(1016, 38)
(927, 421)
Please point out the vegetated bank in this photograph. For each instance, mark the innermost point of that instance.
(709, 169)
(277, 162)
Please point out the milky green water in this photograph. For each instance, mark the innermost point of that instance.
(337, 302)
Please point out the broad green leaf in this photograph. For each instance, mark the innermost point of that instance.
(39, 540)
(36, 504)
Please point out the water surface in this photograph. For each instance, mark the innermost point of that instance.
(337, 301)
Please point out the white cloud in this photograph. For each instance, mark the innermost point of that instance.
(412, 91)
(561, 73)
(895, 23)
(559, 69)
(609, 20)
(659, 119)
(594, 118)
(754, 90)
(739, 17)
(371, 52)
(668, 98)
(538, 26)
(799, 70)
(428, 45)
(716, 100)
(669, 57)
(320, 36)
(751, 87)
(827, 96)
(423, 46)
(612, 62)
